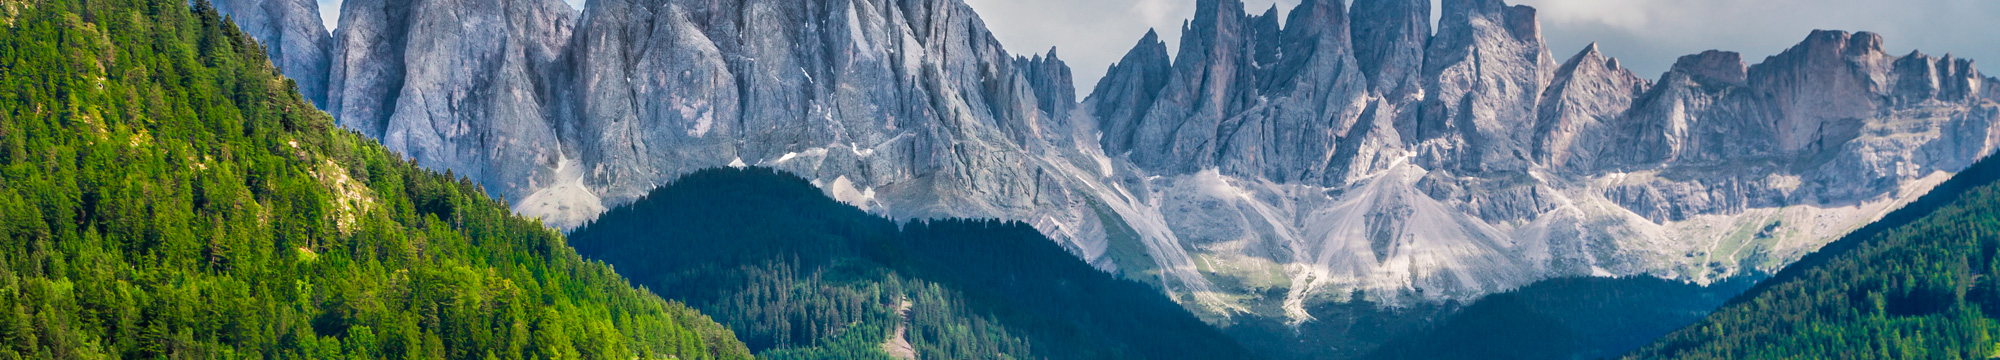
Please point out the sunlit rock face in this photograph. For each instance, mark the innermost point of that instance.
(1472, 161)
(1265, 167)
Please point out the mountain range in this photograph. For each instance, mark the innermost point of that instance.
(1265, 167)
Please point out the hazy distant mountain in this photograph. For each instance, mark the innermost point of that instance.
(1271, 166)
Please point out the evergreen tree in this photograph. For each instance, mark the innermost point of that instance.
(164, 193)
(1920, 284)
(802, 276)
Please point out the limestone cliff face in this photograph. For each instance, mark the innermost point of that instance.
(1128, 91)
(1483, 76)
(1580, 109)
(1451, 165)
(458, 85)
(1272, 106)
(908, 108)
(1344, 148)
(1389, 41)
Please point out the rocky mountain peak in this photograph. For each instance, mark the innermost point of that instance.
(1725, 67)
(1587, 95)
(1823, 87)
(1484, 72)
(1925, 78)
(1127, 91)
(1251, 104)
(1050, 77)
(1587, 60)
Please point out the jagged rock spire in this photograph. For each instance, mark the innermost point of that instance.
(1581, 107)
(1389, 41)
(1128, 90)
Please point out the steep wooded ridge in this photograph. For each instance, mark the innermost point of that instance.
(164, 193)
(800, 275)
(1273, 165)
(1921, 284)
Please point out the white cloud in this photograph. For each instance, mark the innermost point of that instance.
(329, 13)
(1649, 35)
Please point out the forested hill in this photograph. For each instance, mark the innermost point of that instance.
(1569, 318)
(164, 193)
(1922, 284)
(799, 275)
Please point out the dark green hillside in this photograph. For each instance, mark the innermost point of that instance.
(165, 194)
(799, 275)
(1571, 318)
(1924, 283)
(1556, 319)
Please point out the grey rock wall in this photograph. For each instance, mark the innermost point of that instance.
(1268, 166)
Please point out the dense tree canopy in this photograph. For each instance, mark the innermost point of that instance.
(1568, 318)
(799, 275)
(1924, 283)
(165, 193)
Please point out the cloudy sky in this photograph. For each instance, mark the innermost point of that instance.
(1647, 35)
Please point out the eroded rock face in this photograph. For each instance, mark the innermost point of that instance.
(1271, 166)
(1494, 166)
(1128, 90)
(1483, 76)
(906, 108)
(1273, 107)
(459, 85)
(1389, 39)
(1580, 108)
